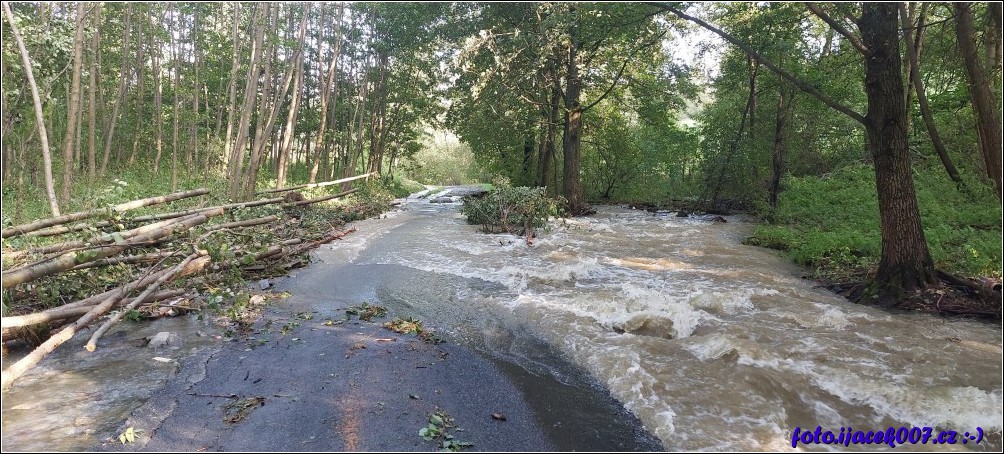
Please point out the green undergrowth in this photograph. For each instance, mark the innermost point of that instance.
(831, 224)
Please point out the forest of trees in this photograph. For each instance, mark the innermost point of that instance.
(586, 99)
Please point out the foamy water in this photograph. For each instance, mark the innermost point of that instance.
(712, 344)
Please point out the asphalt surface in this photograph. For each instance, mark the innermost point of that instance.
(356, 386)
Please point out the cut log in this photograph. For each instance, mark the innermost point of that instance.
(155, 217)
(317, 185)
(61, 313)
(247, 223)
(320, 199)
(174, 272)
(25, 364)
(253, 203)
(139, 258)
(58, 220)
(313, 244)
(69, 260)
(40, 317)
(103, 238)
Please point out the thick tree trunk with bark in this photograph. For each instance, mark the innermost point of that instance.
(906, 264)
(572, 139)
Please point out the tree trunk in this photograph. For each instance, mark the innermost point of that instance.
(548, 152)
(192, 150)
(378, 125)
(92, 89)
(572, 139)
(50, 189)
(236, 159)
(140, 91)
(906, 264)
(271, 110)
(232, 88)
(785, 103)
(176, 85)
(994, 39)
(73, 104)
(158, 101)
(120, 93)
(988, 119)
(282, 164)
(925, 109)
(328, 87)
(360, 114)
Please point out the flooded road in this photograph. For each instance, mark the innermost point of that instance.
(76, 399)
(712, 344)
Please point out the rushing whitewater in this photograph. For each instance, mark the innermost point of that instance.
(712, 344)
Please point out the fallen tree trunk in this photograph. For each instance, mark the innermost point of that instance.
(140, 258)
(155, 217)
(40, 317)
(313, 244)
(320, 199)
(61, 313)
(99, 239)
(989, 291)
(247, 223)
(18, 369)
(69, 260)
(58, 220)
(253, 203)
(177, 269)
(317, 185)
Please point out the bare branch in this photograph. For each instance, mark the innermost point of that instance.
(839, 28)
(801, 84)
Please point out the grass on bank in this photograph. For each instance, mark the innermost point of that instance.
(831, 224)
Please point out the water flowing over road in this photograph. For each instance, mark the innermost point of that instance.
(712, 344)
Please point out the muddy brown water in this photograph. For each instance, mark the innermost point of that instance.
(712, 344)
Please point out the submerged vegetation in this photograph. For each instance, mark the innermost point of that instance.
(508, 209)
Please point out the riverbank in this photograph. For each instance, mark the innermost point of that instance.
(830, 225)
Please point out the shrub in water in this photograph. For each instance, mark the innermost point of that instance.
(507, 209)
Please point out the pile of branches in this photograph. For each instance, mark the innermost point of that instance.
(109, 265)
